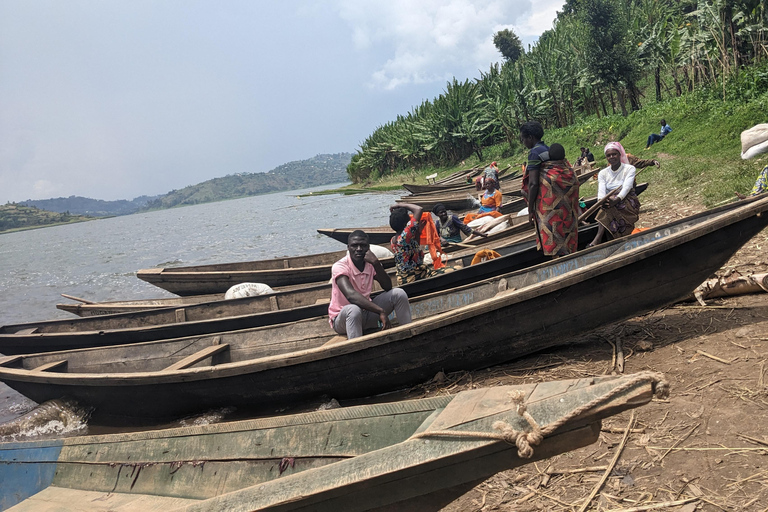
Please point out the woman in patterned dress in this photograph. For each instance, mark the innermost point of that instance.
(551, 190)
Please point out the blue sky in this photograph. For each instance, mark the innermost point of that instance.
(115, 99)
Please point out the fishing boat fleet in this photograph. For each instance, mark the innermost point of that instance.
(148, 361)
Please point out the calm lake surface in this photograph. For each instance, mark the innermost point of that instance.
(98, 260)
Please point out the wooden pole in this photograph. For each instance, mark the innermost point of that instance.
(72, 297)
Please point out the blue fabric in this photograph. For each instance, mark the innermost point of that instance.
(665, 130)
(534, 156)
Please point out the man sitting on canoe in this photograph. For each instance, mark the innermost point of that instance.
(351, 309)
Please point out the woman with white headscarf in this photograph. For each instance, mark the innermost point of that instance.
(620, 211)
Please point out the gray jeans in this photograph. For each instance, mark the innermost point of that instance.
(352, 319)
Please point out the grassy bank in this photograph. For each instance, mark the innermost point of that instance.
(15, 217)
(700, 159)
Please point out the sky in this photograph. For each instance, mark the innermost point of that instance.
(121, 98)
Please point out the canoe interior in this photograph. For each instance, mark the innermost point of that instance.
(309, 260)
(381, 235)
(360, 457)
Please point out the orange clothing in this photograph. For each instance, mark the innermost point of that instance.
(472, 216)
(430, 237)
(493, 201)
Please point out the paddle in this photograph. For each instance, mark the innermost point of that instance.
(598, 204)
(602, 201)
(72, 297)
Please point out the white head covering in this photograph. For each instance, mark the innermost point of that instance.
(618, 147)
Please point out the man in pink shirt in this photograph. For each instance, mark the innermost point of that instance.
(351, 309)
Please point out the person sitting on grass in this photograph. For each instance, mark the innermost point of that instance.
(450, 227)
(656, 137)
(351, 309)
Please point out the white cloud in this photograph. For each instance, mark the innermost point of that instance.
(539, 20)
(433, 40)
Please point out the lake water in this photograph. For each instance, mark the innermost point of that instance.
(98, 260)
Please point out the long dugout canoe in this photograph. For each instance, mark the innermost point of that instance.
(505, 178)
(206, 279)
(401, 455)
(247, 312)
(465, 328)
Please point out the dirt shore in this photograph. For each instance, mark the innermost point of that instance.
(705, 446)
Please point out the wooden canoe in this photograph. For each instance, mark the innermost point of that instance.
(415, 189)
(381, 235)
(464, 328)
(247, 312)
(403, 455)
(207, 279)
(522, 251)
(463, 199)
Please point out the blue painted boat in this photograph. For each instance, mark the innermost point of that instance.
(411, 455)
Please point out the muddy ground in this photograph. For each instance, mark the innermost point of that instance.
(707, 444)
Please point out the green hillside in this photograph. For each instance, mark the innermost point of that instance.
(15, 217)
(316, 171)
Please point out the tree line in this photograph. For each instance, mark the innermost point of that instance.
(601, 57)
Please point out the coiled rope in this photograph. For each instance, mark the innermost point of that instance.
(526, 440)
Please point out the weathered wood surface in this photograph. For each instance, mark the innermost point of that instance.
(128, 306)
(357, 458)
(472, 326)
(193, 281)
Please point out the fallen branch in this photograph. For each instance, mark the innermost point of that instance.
(611, 465)
(714, 358)
(679, 441)
(654, 506)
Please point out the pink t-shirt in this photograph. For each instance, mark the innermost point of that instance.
(361, 281)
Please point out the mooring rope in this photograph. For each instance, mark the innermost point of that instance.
(526, 440)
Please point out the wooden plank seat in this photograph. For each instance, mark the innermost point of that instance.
(197, 357)
(53, 365)
(10, 360)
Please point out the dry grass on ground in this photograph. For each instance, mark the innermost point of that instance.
(705, 446)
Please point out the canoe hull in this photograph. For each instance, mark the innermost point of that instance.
(366, 457)
(535, 318)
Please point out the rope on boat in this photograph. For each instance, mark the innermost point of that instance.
(526, 440)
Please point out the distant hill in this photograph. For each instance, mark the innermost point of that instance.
(92, 207)
(316, 171)
(16, 217)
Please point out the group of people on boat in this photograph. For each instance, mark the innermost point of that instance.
(550, 188)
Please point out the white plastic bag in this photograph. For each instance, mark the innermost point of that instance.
(247, 290)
